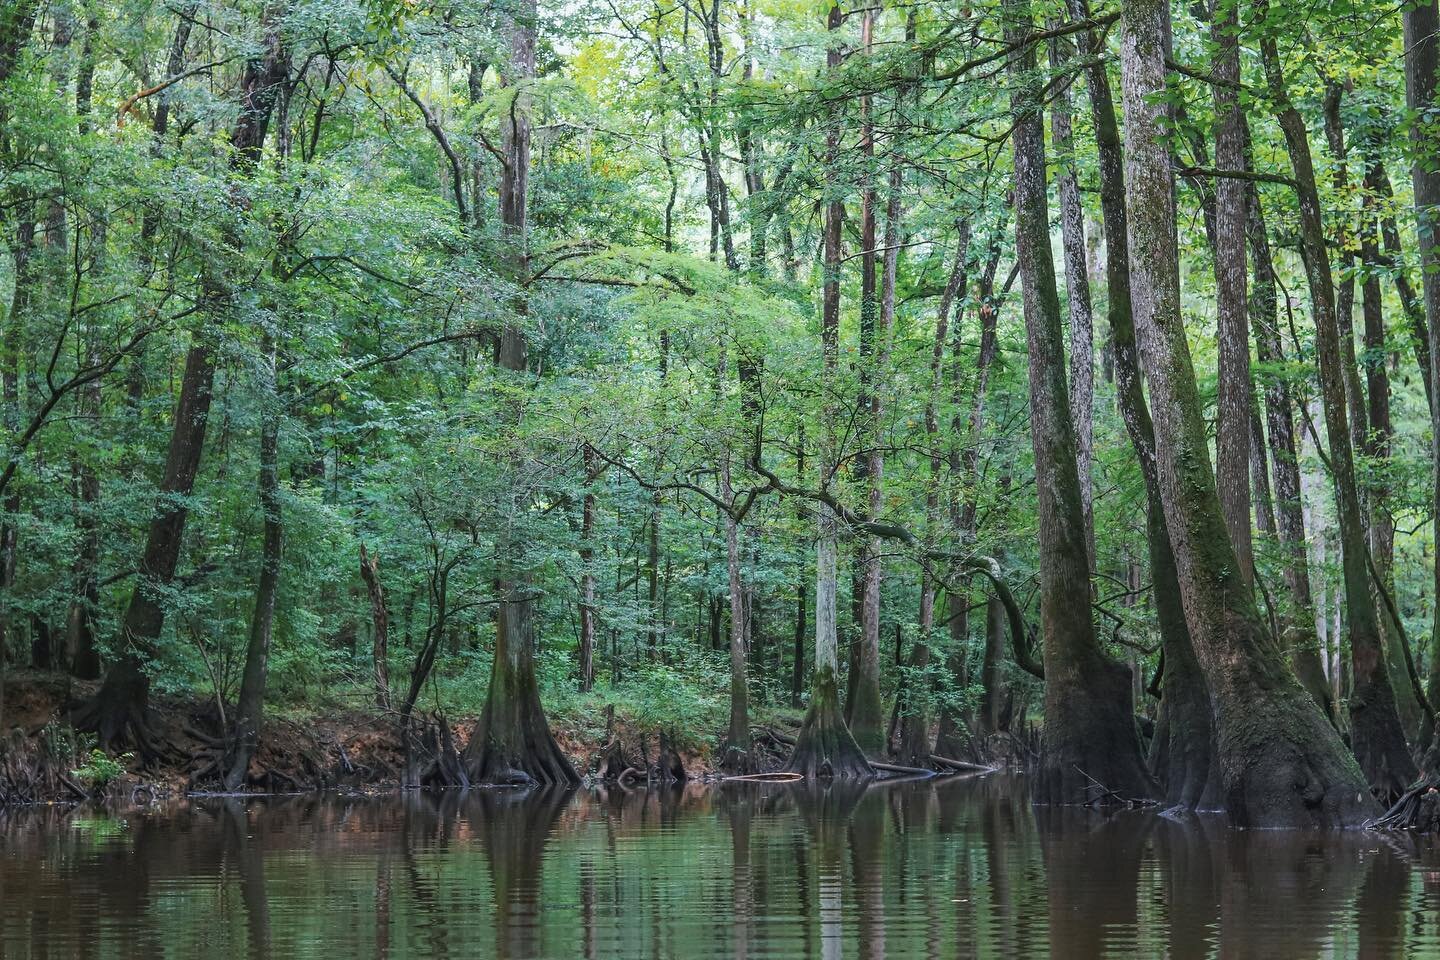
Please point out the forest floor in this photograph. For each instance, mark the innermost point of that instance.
(304, 748)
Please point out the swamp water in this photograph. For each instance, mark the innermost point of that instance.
(958, 868)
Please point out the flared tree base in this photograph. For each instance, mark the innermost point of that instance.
(1283, 766)
(1090, 751)
(825, 748)
(119, 713)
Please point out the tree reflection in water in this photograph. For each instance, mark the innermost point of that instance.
(946, 869)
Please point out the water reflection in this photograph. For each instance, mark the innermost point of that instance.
(963, 868)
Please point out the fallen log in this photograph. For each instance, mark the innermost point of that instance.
(961, 765)
(897, 768)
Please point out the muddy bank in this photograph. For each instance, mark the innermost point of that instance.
(43, 760)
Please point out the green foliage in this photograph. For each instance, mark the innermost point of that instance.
(100, 769)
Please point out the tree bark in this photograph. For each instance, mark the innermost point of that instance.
(1381, 532)
(512, 741)
(914, 718)
(1280, 764)
(380, 627)
(1422, 88)
(250, 707)
(1232, 434)
(587, 575)
(1077, 286)
(1089, 746)
(1299, 637)
(119, 712)
(1188, 773)
(1376, 734)
(825, 747)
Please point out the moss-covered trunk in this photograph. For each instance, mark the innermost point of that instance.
(512, 742)
(1280, 761)
(1090, 748)
(1376, 733)
(1188, 708)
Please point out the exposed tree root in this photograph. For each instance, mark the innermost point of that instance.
(1417, 809)
(901, 769)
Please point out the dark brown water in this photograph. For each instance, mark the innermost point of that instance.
(948, 869)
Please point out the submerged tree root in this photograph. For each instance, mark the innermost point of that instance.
(1417, 809)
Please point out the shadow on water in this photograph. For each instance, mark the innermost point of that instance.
(961, 868)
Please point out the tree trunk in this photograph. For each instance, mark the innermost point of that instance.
(1089, 744)
(825, 746)
(1280, 763)
(1299, 637)
(380, 627)
(1188, 774)
(512, 742)
(953, 736)
(1077, 285)
(802, 600)
(1376, 734)
(587, 576)
(1232, 432)
(1394, 258)
(250, 707)
(863, 709)
(735, 752)
(1422, 88)
(119, 711)
(915, 719)
(1381, 533)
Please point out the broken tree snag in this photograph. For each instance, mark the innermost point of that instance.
(1089, 735)
(512, 742)
(1280, 762)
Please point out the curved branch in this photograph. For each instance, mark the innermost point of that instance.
(989, 568)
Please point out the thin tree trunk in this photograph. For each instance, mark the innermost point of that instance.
(802, 599)
(1232, 436)
(1394, 258)
(250, 707)
(1299, 636)
(587, 576)
(119, 712)
(379, 626)
(1077, 285)
(914, 719)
